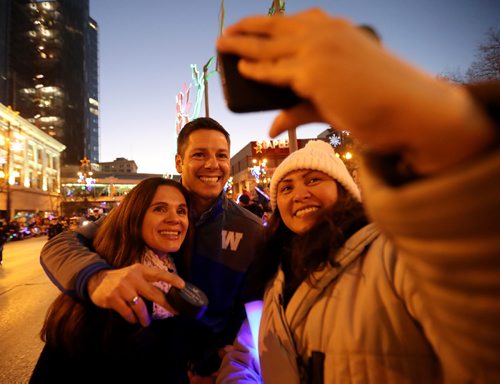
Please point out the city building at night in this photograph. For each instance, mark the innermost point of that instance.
(254, 165)
(4, 53)
(29, 169)
(49, 71)
(120, 164)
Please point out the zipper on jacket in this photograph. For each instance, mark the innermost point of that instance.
(302, 368)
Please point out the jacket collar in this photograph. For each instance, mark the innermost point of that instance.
(216, 209)
(305, 296)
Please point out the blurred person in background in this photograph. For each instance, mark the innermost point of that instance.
(96, 215)
(4, 236)
(244, 200)
(255, 207)
(55, 227)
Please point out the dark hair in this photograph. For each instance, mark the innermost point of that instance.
(300, 255)
(245, 199)
(119, 241)
(196, 125)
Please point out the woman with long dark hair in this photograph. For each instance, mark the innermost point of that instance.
(84, 343)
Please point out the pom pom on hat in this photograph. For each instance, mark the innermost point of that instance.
(319, 156)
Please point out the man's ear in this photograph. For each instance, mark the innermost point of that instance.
(178, 163)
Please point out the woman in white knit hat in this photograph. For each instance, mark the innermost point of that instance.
(336, 298)
(338, 301)
(413, 297)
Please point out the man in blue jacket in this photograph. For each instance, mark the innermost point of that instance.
(224, 245)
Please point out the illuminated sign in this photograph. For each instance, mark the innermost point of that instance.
(277, 147)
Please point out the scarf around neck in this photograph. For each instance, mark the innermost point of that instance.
(165, 263)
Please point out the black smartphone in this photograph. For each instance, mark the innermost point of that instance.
(190, 300)
(244, 95)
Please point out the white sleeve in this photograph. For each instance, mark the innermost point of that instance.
(240, 365)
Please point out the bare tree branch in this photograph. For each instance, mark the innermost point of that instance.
(487, 63)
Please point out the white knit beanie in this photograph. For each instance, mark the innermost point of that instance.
(319, 156)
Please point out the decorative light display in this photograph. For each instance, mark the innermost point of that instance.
(345, 148)
(183, 104)
(9, 107)
(68, 192)
(259, 169)
(85, 174)
(228, 187)
(278, 6)
(335, 140)
(85, 163)
(182, 108)
(199, 83)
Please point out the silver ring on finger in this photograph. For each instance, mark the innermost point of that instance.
(134, 300)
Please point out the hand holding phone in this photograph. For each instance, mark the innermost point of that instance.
(244, 95)
(190, 300)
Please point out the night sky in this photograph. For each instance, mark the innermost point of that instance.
(147, 47)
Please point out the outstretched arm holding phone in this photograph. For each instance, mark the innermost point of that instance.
(350, 81)
(438, 222)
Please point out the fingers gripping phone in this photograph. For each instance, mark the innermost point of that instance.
(244, 95)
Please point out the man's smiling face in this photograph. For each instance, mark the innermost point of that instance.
(204, 165)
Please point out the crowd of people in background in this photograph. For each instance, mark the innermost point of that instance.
(21, 228)
(257, 204)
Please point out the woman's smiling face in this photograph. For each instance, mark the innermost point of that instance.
(302, 195)
(166, 221)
